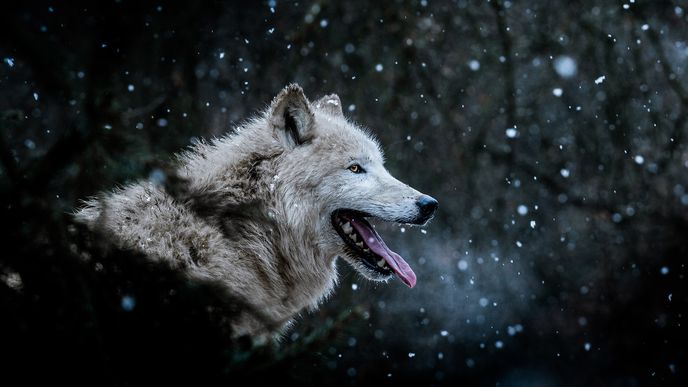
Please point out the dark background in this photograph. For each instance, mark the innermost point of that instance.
(551, 132)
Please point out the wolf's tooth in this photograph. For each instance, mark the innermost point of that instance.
(367, 250)
(353, 237)
(381, 263)
(359, 244)
(346, 227)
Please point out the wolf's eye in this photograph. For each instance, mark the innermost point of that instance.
(355, 168)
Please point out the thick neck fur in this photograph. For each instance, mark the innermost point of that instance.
(233, 219)
(243, 194)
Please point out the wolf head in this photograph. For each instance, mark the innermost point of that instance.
(331, 177)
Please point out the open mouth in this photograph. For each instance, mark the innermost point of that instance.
(363, 242)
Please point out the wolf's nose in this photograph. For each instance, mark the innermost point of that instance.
(427, 205)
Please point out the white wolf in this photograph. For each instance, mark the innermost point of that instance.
(268, 209)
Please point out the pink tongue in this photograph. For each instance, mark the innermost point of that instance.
(394, 260)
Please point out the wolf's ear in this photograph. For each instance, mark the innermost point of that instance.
(330, 104)
(291, 116)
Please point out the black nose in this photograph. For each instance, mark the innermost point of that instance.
(427, 205)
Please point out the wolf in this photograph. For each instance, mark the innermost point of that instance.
(268, 209)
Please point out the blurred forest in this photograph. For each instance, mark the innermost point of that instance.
(553, 134)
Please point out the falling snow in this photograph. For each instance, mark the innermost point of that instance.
(128, 303)
(565, 66)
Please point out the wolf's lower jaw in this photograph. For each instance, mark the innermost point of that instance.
(366, 248)
(370, 259)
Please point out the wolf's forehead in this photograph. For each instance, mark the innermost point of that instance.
(344, 136)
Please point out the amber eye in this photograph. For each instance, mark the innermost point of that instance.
(355, 168)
